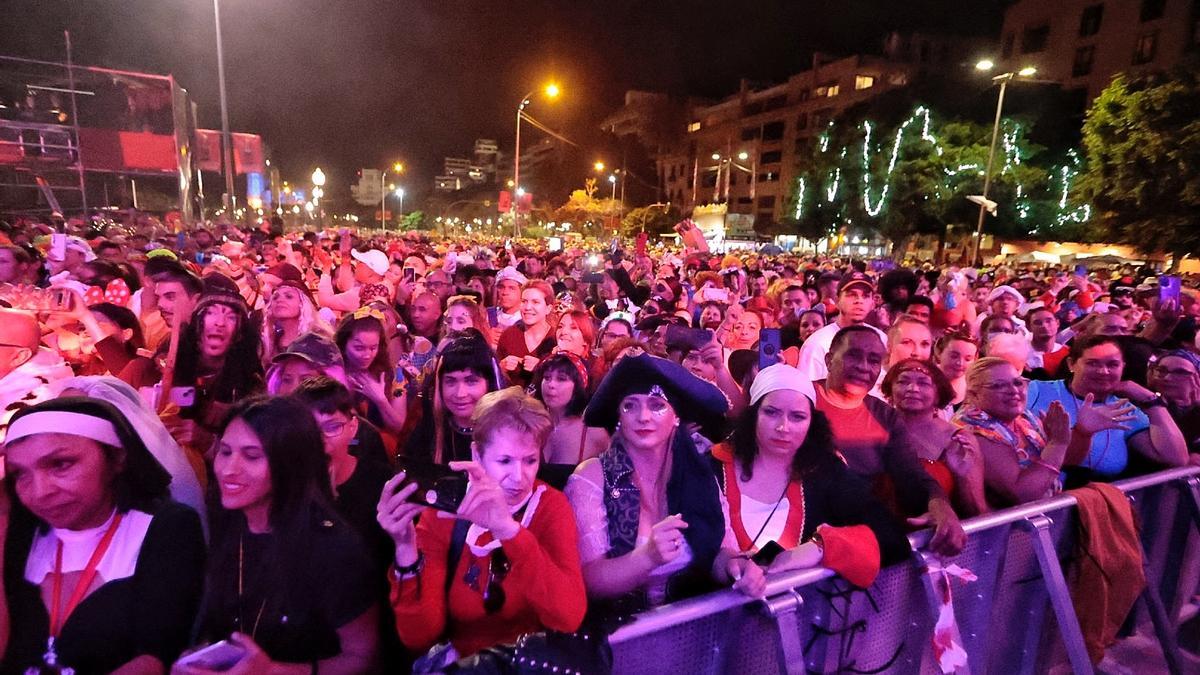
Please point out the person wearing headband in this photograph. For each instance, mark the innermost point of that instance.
(561, 383)
(652, 524)
(105, 571)
(370, 371)
(792, 501)
(920, 392)
(1176, 375)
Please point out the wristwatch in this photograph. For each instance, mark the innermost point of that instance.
(1155, 402)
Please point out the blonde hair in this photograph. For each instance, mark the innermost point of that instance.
(977, 372)
(510, 408)
(310, 321)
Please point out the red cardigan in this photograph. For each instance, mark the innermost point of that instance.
(544, 587)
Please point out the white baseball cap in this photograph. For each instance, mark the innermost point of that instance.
(374, 259)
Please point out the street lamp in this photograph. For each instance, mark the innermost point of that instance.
(598, 166)
(397, 168)
(1002, 79)
(552, 91)
(226, 139)
(400, 194)
(318, 181)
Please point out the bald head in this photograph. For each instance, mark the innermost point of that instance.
(19, 339)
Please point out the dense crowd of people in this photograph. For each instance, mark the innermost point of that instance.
(235, 449)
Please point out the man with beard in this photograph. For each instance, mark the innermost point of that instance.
(217, 366)
(872, 440)
(855, 300)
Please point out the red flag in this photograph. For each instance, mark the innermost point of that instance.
(525, 203)
(504, 203)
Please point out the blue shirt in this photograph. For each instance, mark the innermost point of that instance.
(1109, 453)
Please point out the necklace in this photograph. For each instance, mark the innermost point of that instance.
(241, 565)
(57, 620)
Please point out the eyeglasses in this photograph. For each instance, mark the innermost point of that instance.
(1019, 384)
(1173, 372)
(333, 429)
(493, 590)
(656, 406)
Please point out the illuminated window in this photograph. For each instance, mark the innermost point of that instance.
(693, 127)
(1147, 46)
(863, 82)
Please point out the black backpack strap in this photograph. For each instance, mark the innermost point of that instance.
(458, 539)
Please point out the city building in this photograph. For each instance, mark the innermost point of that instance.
(1084, 43)
(743, 151)
(482, 168)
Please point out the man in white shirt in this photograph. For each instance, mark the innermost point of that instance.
(1004, 300)
(508, 297)
(855, 300)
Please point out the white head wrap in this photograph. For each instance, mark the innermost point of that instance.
(777, 377)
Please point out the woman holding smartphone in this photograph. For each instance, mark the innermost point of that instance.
(518, 566)
(289, 583)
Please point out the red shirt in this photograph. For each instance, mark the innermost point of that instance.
(543, 589)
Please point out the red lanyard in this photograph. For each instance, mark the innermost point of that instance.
(85, 581)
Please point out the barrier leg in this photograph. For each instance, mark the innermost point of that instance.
(785, 609)
(931, 579)
(1164, 628)
(1192, 488)
(1060, 595)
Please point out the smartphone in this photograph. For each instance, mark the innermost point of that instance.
(220, 656)
(439, 486)
(1169, 289)
(410, 275)
(493, 314)
(180, 240)
(682, 337)
(61, 300)
(1081, 270)
(554, 244)
(767, 554)
(769, 346)
(592, 277)
(640, 246)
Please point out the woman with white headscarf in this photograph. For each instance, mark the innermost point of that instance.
(185, 487)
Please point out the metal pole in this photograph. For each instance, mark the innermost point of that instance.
(383, 199)
(517, 166)
(226, 138)
(75, 123)
(987, 174)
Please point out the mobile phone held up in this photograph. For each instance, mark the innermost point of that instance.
(769, 346)
(1169, 289)
(218, 657)
(437, 485)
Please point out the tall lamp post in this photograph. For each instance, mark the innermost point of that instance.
(1002, 79)
(397, 168)
(552, 91)
(226, 139)
(318, 181)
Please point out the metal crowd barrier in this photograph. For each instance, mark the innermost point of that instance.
(1017, 617)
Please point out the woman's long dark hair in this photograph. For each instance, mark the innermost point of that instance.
(562, 363)
(816, 453)
(301, 500)
(382, 361)
(241, 374)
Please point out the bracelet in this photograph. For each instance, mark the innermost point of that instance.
(412, 570)
(1038, 462)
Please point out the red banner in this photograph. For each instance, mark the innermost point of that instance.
(110, 150)
(504, 203)
(208, 150)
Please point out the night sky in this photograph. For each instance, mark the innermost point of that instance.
(351, 83)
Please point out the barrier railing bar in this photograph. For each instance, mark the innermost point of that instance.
(785, 609)
(666, 616)
(1060, 596)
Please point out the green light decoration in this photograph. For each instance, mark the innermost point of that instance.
(874, 205)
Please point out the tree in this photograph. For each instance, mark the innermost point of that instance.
(1142, 144)
(654, 220)
(586, 212)
(908, 176)
(415, 220)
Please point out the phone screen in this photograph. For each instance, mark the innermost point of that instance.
(1168, 288)
(493, 314)
(769, 345)
(438, 486)
(410, 274)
